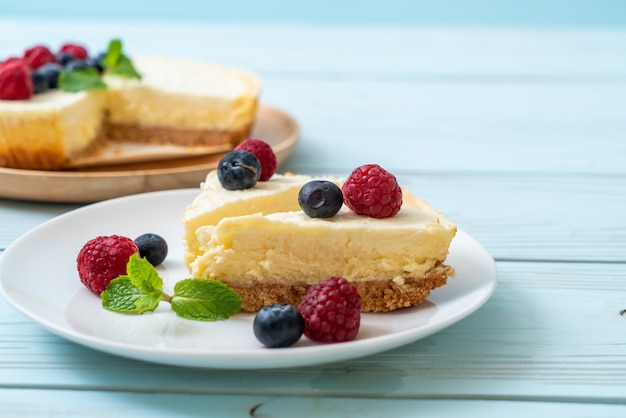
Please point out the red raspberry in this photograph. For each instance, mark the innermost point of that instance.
(331, 311)
(102, 259)
(78, 51)
(15, 81)
(263, 151)
(37, 56)
(11, 59)
(372, 191)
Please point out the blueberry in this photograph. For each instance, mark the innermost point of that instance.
(77, 65)
(40, 83)
(238, 170)
(320, 199)
(64, 58)
(50, 72)
(152, 247)
(278, 325)
(94, 63)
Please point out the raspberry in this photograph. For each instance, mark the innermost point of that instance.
(11, 59)
(372, 191)
(37, 56)
(331, 311)
(15, 81)
(102, 259)
(77, 51)
(263, 151)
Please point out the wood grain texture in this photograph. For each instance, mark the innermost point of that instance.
(63, 403)
(517, 134)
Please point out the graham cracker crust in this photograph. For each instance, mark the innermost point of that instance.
(376, 295)
(176, 136)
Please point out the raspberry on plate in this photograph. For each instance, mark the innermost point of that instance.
(15, 81)
(263, 151)
(103, 259)
(331, 311)
(372, 191)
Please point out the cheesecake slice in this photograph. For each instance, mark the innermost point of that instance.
(274, 254)
(49, 129)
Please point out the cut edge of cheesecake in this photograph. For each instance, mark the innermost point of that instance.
(379, 294)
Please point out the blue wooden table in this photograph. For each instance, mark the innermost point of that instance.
(517, 133)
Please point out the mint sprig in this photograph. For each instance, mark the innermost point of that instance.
(115, 62)
(79, 80)
(204, 300)
(141, 290)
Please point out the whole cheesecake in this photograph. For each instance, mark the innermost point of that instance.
(175, 102)
(269, 251)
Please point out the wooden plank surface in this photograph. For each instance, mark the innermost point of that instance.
(62, 403)
(517, 134)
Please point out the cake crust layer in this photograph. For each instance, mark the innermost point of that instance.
(376, 295)
(177, 136)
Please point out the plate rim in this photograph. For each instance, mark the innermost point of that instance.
(187, 357)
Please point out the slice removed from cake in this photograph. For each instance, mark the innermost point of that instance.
(182, 102)
(276, 255)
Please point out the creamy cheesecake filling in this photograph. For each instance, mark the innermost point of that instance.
(214, 203)
(49, 128)
(183, 94)
(290, 247)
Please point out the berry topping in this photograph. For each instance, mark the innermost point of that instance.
(278, 325)
(320, 199)
(263, 151)
(37, 56)
(372, 191)
(51, 73)
(103, 259)
(64, 58)
(15, 81)
(152, 247)
(77, 51)
(331, 311)
(238, 170)
(40, 83)
(11, 59)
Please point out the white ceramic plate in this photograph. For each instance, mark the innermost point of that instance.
(38, 277)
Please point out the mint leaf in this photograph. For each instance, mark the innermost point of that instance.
(79, 80)
(138, 292)
(114, 51)
(117, 63)
(122, 295)
(143, 274)
(204, 300)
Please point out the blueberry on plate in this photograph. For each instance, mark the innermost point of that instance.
(238, 170)
(320, 199)
(278, 325)
(152, 247)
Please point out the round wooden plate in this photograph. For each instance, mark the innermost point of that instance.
(93, 184)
